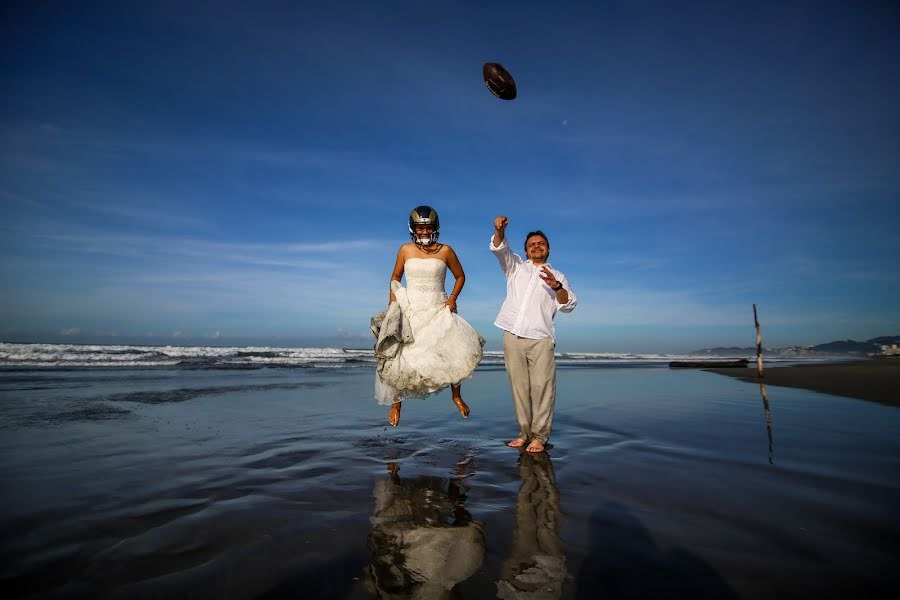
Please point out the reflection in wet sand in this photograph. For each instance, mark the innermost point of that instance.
(423, 540)
(536, 566)
(768, 413)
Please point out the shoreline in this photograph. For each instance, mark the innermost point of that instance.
(874, 380)
(259, 483)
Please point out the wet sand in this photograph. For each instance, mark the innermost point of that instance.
(282, 483)
(876, 380)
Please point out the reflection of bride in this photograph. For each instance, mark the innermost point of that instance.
(423, 540)
(536, 566)
(422, 345)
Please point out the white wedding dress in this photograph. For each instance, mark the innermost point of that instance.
(445, 348)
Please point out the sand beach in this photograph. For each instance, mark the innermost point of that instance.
(277, 483)
(876, 379)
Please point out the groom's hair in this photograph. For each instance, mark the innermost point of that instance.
(531, 234)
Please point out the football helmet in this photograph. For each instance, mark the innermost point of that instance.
(424, 215)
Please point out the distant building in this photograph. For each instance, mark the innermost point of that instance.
(891, 350)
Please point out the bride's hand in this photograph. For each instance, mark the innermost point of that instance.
(451, 303)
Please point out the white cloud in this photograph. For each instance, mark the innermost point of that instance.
(136, 213)
(639, 263)
(277, 254)
(349, 335)
(648, 307)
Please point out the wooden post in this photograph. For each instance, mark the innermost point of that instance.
(759, 362)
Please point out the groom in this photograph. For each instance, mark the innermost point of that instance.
(535, 291)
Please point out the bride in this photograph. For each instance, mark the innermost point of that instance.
(437, 347)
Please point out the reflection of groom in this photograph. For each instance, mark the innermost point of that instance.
(535, 291)
(536, 566)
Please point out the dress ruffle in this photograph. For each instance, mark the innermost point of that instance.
(445, 348)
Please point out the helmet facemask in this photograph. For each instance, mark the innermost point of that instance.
(424, 215)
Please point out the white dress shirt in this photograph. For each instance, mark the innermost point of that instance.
(530, 304)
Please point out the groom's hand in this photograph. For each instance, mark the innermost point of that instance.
(548, 277)
(500, 224)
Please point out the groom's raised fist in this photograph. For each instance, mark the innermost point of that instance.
(500, 223)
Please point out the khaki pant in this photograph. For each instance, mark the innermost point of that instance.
(531, 367)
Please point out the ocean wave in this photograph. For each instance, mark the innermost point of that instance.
(66, 356)
(78, 356)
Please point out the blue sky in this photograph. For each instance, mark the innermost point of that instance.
(241, 172)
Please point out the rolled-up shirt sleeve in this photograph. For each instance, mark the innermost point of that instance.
(573, 300)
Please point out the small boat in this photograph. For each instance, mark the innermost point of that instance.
(709, 364)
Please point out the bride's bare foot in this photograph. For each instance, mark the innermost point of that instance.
(462, 406)
(394, 414)
(516, 443)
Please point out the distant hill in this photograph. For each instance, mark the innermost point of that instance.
(836, 348)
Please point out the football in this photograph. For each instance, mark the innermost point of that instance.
(499, 81)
